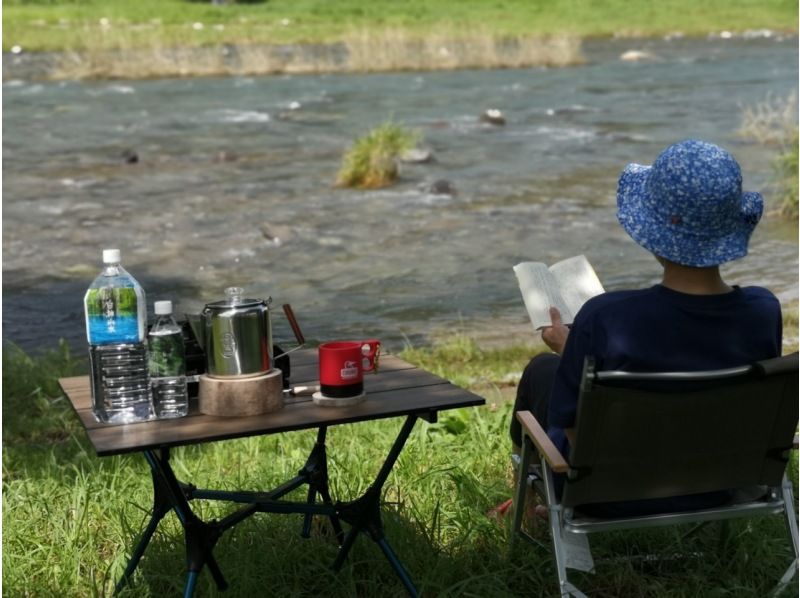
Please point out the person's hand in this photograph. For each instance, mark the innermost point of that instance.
(555, 336)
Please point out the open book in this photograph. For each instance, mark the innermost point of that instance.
(566, 285)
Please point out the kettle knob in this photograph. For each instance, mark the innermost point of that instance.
(234, 294)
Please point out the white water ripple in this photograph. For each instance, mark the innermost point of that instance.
(228, 115)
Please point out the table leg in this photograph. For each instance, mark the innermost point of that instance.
(344, 550)
(397, 566)
(161, 506)
(191, 583)
(315, 472)
(200, 537)
(364, 513)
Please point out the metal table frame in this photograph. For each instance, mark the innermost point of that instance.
(362, 514)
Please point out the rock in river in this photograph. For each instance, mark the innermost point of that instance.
(442, 187)
(130, 156)
(636, 56)
(493, 117)
(417, 155)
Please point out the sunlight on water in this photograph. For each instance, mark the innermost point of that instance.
(206, 183)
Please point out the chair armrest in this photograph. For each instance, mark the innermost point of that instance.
(544, 445)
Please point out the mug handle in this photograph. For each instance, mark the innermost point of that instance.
(375, 358)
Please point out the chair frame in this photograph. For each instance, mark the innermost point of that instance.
(564, 518)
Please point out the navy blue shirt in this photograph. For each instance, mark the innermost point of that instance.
(658, 329)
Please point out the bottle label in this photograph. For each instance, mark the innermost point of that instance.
(166, 355)
(112, 315)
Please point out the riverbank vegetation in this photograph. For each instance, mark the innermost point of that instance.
(773, 122)
(786, 165)
(57, 25)
(372, 161)
(71, 518)
(157, 38)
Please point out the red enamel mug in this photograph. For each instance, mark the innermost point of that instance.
(342, 365)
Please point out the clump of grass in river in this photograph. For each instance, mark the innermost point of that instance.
(372, 160)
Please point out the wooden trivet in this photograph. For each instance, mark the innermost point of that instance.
(235, 397)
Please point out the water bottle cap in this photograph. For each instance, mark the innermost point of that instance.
(162, 308)
(111, 256)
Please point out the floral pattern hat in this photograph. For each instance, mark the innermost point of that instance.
(688, 207)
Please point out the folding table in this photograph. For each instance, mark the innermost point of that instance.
(398, 389)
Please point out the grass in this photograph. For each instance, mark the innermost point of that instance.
(786, 169)
(42, 25)
(358, 51)
(773, 122)
(174, 38)
(372, 160)
(70, 518)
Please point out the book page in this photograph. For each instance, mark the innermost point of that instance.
(540, 291)
(578, 282)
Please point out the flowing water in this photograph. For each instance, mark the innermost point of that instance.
(234, 186)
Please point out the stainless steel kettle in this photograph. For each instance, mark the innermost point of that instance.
(237, 336)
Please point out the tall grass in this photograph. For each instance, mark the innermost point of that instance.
(33, 408)
(372, 160)
(71, 518)
(59, 25)
(372, 50)
(773, 121)
(171, 38)
(130, 54)
(786, 168)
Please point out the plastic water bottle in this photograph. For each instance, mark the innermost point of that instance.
(116, 316)
(167, 364)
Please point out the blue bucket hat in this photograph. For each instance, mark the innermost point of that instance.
(688, 207)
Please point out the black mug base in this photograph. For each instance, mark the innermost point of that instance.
(341, 392)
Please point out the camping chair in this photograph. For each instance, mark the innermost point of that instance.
(655, 435)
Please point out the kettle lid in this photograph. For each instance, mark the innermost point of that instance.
(235, 299)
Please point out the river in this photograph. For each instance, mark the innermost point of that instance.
(234, 186)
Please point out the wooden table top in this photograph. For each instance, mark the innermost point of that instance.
(398, 389)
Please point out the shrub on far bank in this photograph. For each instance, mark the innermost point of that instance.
(786, 168)
(372, 160)
(774, 122)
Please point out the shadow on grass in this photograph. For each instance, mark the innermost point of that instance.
(71, 519)
(267, 556)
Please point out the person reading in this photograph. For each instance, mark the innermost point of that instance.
(689, 211)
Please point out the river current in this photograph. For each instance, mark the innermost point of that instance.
(234, 185)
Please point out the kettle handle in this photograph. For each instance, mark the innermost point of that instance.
(287, 309)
